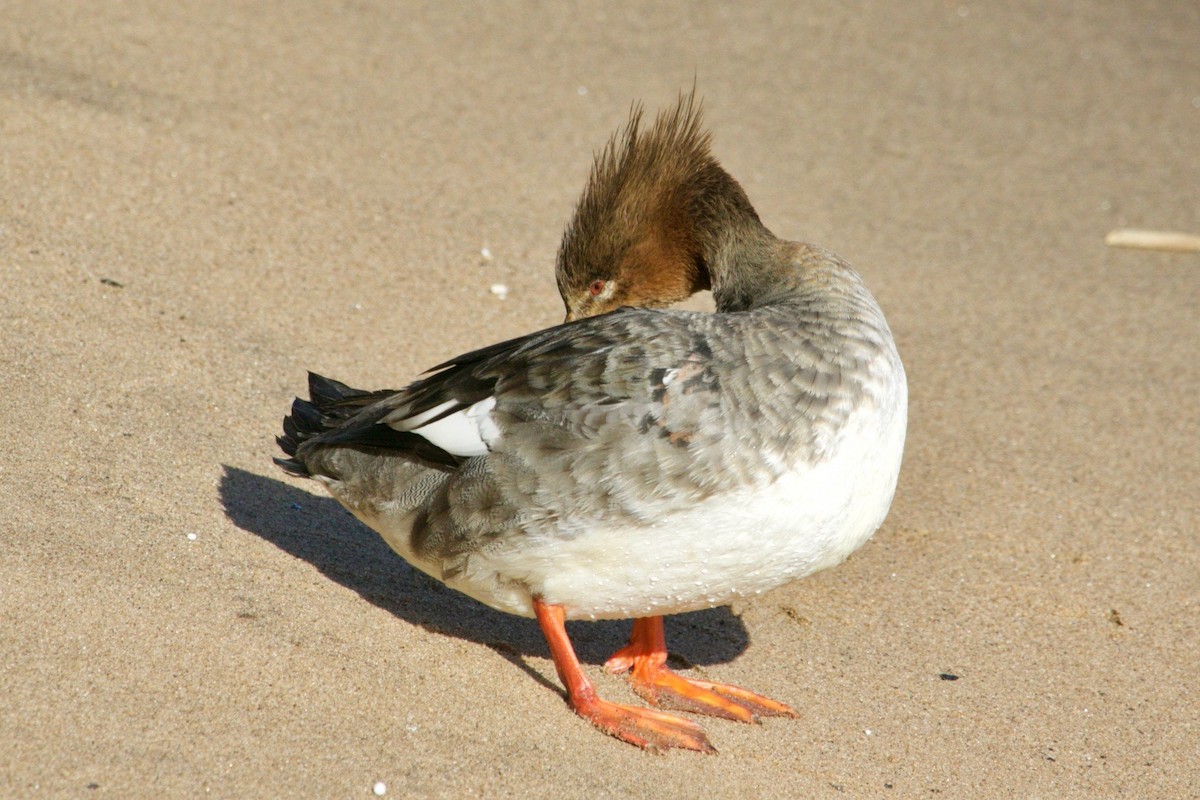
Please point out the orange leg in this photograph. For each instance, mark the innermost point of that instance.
(649, 729)
(646, 657)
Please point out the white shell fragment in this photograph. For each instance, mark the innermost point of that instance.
(1171, 241)
(500, 290)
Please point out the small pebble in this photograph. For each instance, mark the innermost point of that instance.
(380, 788)
(500, 290)
(486, 253)
(191, 537)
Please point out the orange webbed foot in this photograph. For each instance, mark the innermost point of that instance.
(645, 727)
(645, 659)
(649, 729)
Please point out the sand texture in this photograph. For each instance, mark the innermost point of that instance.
(200, 201)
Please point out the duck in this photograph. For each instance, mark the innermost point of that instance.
(637, 460)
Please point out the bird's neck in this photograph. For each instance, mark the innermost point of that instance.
(736, 252)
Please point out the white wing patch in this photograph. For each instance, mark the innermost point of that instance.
(467, 432)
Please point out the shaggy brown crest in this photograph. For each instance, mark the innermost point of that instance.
(644, 224)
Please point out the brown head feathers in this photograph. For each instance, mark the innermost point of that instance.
(650, 216)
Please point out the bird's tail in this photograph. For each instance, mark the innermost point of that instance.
(330, 403)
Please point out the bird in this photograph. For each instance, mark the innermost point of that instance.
(637, 460)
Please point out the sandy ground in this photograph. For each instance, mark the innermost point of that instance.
(199, 202)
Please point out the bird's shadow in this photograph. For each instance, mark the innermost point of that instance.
(318, 530)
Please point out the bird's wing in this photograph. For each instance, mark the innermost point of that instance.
(581, 382)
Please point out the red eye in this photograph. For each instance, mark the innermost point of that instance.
(596, 288)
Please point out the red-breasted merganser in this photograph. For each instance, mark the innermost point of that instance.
(637, 461)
